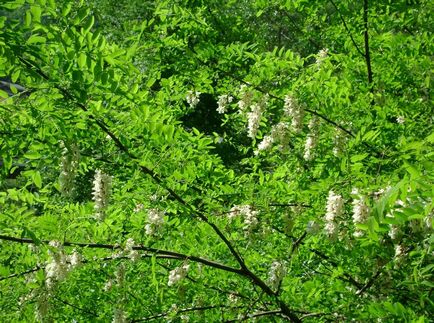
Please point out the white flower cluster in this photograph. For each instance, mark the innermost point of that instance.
(246, 97)
(265, 144)
(400, 120)
(276, 274)
(192, 98)
(321, 56)
(312, 138)
(129, 251)
(42, 307)
(339, 140)
(254, 118)
(101, 193)
(295, 111)
(279, 134)
(69, 164)
(399, 251)
(360, 211)
(223, 102)
(249, 214)
(60, 264)
(334, 209)
(155, 221)
(120, 275)
(119, 316)
(138, 207)
(177, 274)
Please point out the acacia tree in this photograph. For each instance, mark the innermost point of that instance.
(214, 166)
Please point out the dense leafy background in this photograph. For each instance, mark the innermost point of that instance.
(102, 85)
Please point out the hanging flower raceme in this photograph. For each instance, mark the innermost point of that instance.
(223, 101)
(69, 165)
(155, 221)
(192, 98)
(59, 264)
(279, 134)
(339, 140)
(276, 274)
(312, 138)
(334, 210)
(249, 214)
(101, 193)
(294, 110)
(129, 251)
(360, 211)
(321, 56)
(265, 144)
(119, 316)
(177, 274)
(246, 97)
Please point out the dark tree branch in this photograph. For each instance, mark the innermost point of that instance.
(347, 29)
(21, 274)
(76, 307)
(366, 36)
(169, 254)
(184, 310)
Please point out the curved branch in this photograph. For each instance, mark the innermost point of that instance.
(170, 254)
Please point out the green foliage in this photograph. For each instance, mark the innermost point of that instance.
(152, 165)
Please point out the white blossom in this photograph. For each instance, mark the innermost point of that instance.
(193, 98)
(223, 101)
(265, 144)
(399, 251)
(42, 307)
(155, 221)
(400, 120)
(69, 165)
(360, 211)
(177, 274)
(280, 132)
(119, 316)
(331, 229)
(101, 193)
(120, 275)
(254, 118)
(312, 138)
(246, 97)
(321, 56)
(339, 141)
(276, 274)
(295, 111)
(56, 269)
(75, 260)
(393, 231)
(138, 208)
(249, 214)
(108, 285)
(130, 252)
(334, 209)
(334, 206)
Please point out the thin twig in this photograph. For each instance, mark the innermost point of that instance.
(21, 274)
(366, 36)
(347, 29)
(137, 247)
(184, 310)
